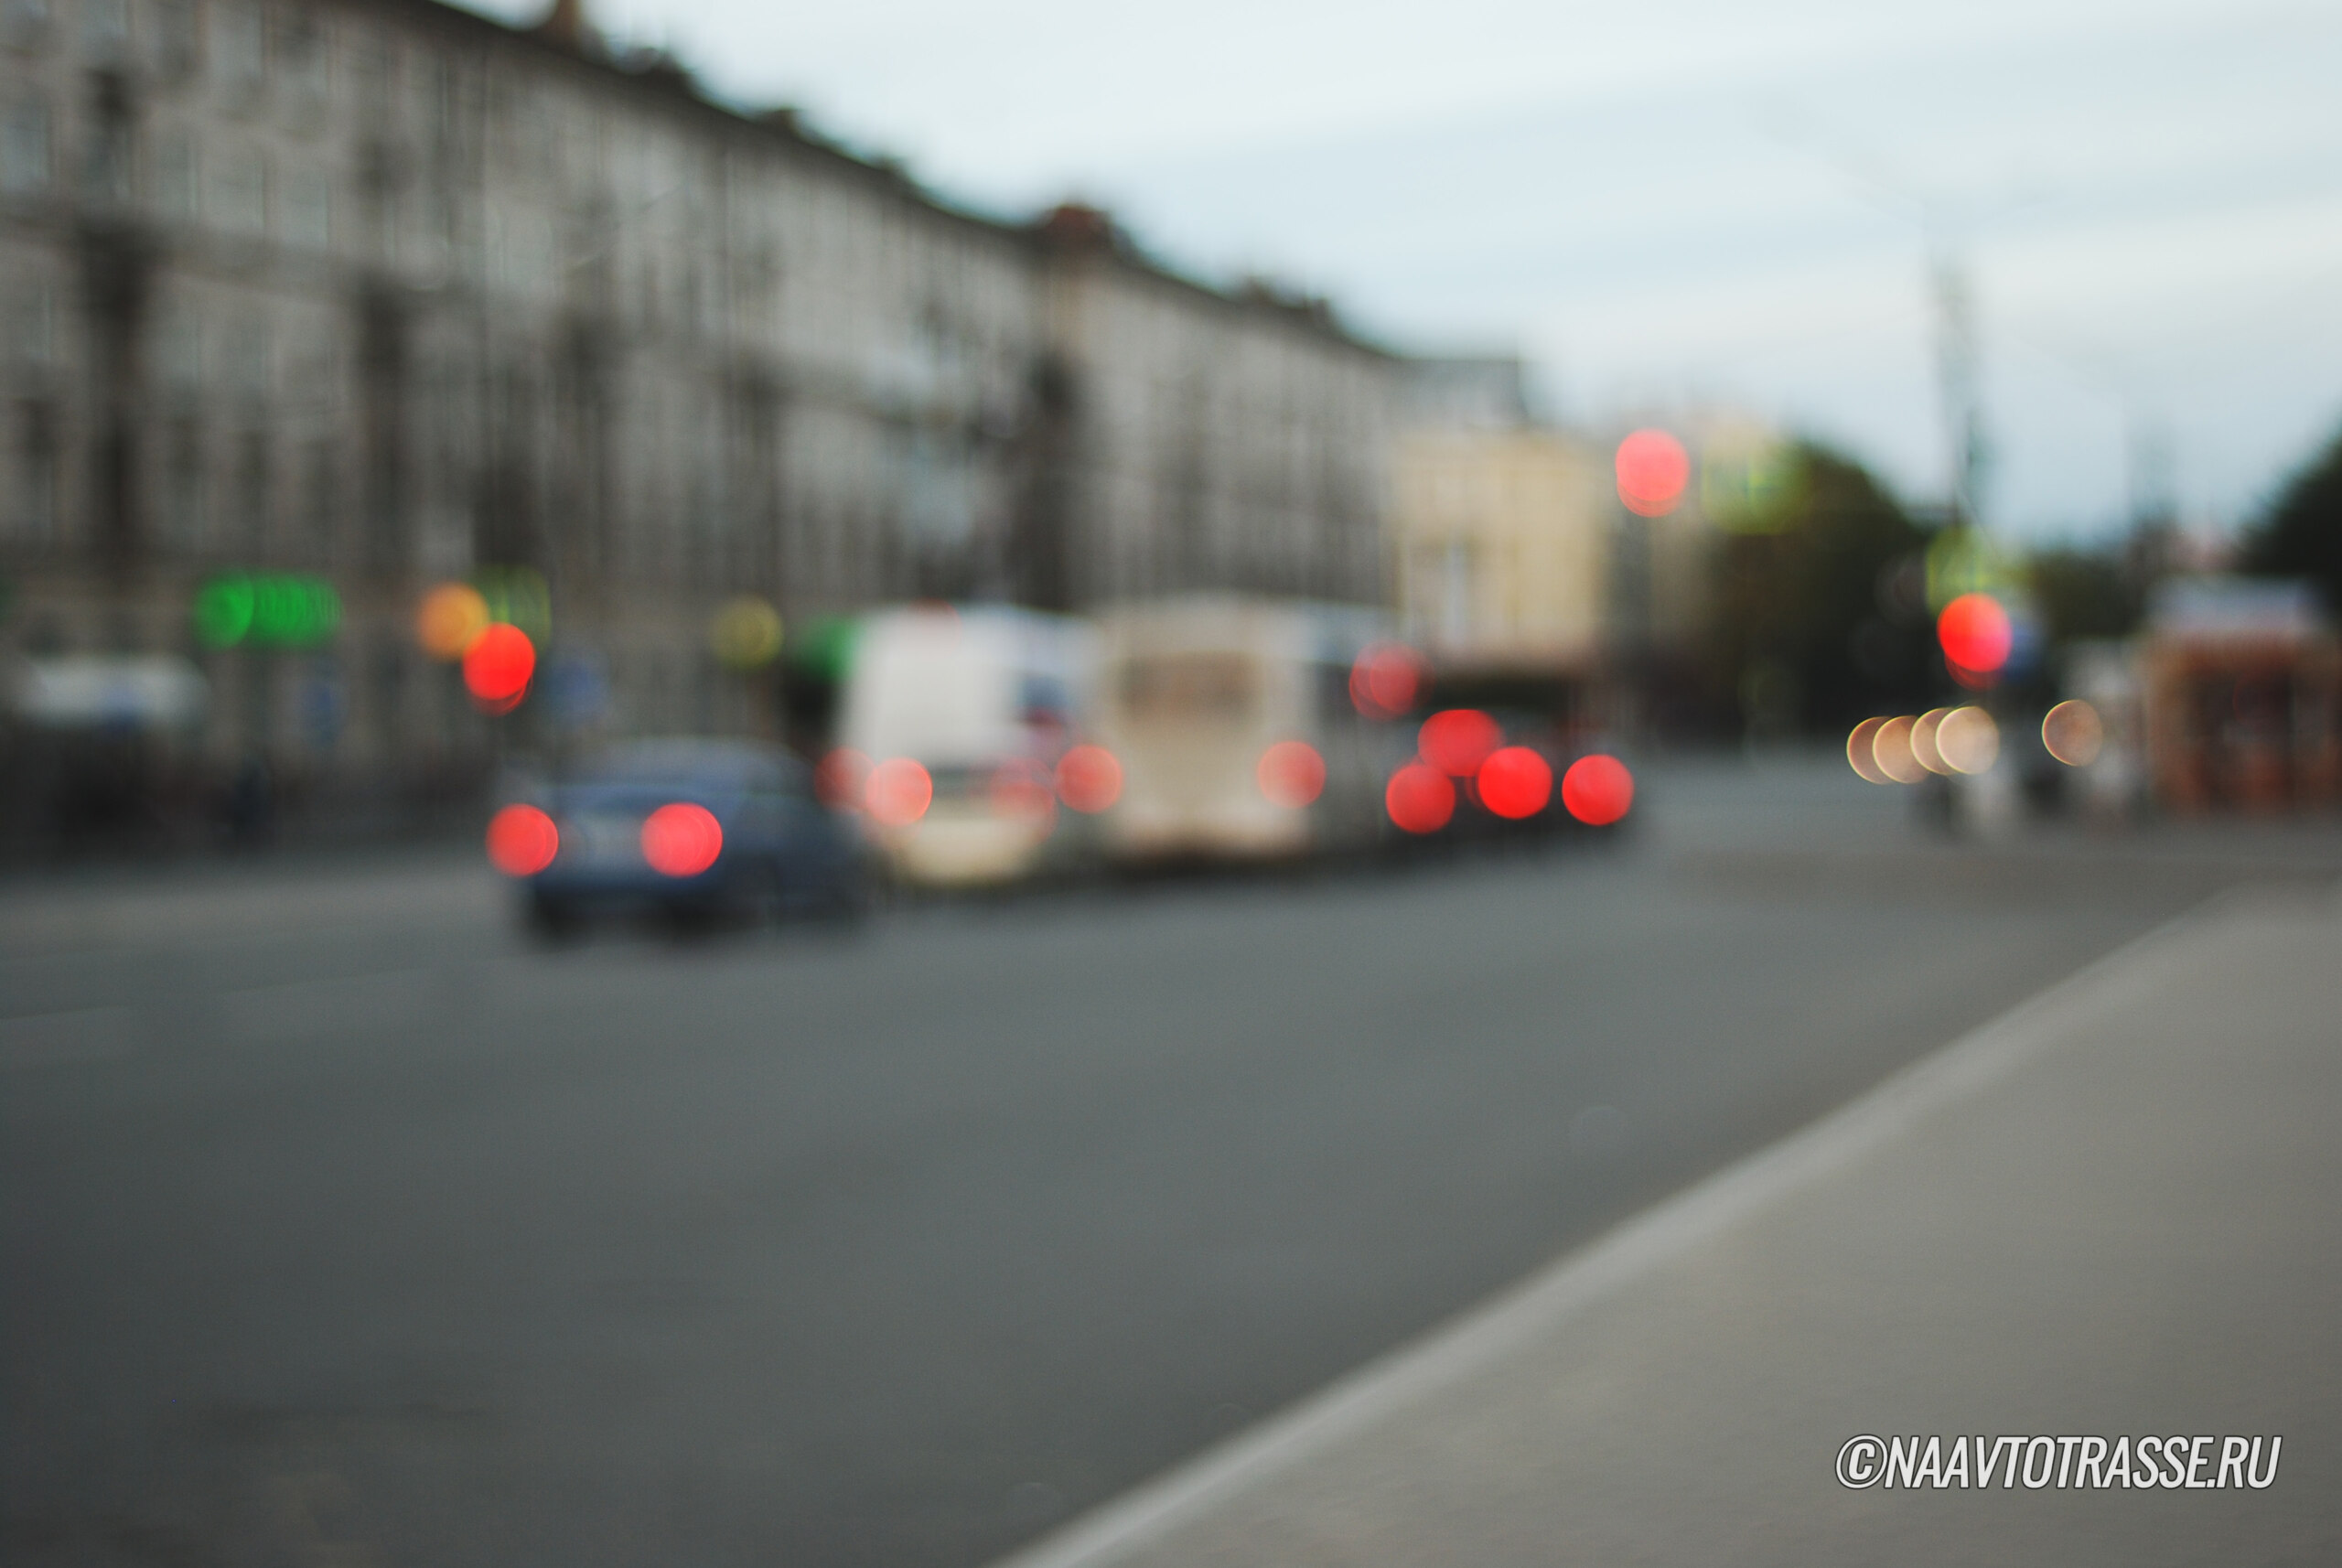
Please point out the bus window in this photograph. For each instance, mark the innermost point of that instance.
(1217, 686)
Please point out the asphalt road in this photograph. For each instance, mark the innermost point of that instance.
(344, 1226)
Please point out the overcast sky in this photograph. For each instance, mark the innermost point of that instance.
(1727, 201)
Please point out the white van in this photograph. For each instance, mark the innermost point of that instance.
(955, 718)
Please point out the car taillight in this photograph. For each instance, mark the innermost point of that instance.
(682, 840)
(1598, 789)
(522, 840)
(1088, 779)
(1420, 799)
(898, 792)
(1515, 782)
(1291, 773)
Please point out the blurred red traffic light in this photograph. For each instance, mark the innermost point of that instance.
(1975, 633)
(1420, 799)
(681, 839)
(1598, 789)
(1515, 782)
(1652, 469)
(498, 665)
(522, 840)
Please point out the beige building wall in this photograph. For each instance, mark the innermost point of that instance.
(1504, 539)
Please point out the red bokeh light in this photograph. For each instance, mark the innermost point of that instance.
(522, 840)
(1291, 773)
(1457, 740)
(1598, 789)
(680, 839)
(1652, 469)
(839, 777)
(1088, 779)
(1385, 680)
(498, 665)
(1420, 799)
(1975, 634)
(1022, 787)
(1515, 782)
(899, 792)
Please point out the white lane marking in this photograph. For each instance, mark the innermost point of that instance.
(84, 1035)
(1485, 1334)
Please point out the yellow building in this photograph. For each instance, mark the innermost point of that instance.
(1504, 539)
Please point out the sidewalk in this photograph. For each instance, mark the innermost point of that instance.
(2116, 1210)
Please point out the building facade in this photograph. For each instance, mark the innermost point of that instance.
(381, 293)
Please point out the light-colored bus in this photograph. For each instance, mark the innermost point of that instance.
(953, 722)
(1234, 720)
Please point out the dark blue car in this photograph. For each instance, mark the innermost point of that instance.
(692, 827)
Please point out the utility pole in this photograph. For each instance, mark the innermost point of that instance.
(1963, 413)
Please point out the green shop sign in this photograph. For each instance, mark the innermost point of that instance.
(266, 609)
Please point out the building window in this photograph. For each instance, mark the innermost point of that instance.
(105, 165)
(105, 32)
(37, 436)
(301, 55)
(178, 356)
(246, 363)
(24, 24)
(320, 501)
(24, 148)
(308, 209)
(177, 178)
(32, 330)
(251, 520)
(238, 201)
(172, 37)
(238, 49)
(184, 485)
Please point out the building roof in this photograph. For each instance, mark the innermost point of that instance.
(567, 33)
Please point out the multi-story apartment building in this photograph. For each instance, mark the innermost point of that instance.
(381, 292)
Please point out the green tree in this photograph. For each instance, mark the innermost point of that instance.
(2083, 593)
(2302, 535)
(1808, 628)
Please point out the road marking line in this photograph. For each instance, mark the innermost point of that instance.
(1484, 1334)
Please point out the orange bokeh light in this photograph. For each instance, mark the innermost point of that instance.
(681, 839)
(1385, 680)
(1975, 634)
(1515, 782)
(1420, 799)
(899, 792)
(1088, 779)
(1598, 789)
(522, 840)
(1862, 753)
(1291, 773)
(1652, 469)
(1457, 740)
(498, 665)
(450, 619)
